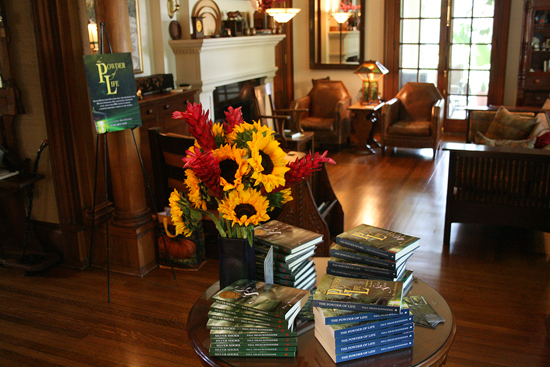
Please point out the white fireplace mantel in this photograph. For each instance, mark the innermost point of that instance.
(212, 62)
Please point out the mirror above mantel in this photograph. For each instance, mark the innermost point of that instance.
(335, 45)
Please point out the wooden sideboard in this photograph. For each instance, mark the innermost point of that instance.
(156, 111)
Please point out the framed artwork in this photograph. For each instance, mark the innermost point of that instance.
(135, 33)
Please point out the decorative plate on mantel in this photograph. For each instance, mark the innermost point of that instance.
(212, 17)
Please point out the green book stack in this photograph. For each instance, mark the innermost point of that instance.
(254, 319)
(293, 249)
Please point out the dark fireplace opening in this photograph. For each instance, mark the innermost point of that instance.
(239, 94)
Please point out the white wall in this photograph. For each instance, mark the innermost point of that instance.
(159, 58)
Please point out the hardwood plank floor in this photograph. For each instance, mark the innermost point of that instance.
(495, 279)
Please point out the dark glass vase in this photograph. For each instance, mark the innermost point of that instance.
(236, 260)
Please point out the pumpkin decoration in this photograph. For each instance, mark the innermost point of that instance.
(178, 248)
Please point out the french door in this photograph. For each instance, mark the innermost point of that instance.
(459, 45)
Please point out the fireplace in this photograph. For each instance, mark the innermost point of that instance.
(223, 66)
(238, 94)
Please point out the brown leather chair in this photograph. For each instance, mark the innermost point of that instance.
(328, 115)
(414, 118)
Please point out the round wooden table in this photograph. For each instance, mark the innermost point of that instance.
(430, 345)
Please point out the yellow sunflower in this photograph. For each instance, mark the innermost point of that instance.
(176, 213)
(244, 207)
(267, 161)
(286, 195)
(244, 131)
(233, 166)
(193, 185)
(217, 129)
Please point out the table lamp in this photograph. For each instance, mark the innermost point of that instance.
(341, 18)
(370, 73)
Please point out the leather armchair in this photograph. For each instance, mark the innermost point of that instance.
(328, 115)
(414, 118)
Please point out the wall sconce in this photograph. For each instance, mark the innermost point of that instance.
(370, 73)
(173, 7)
(93, 37)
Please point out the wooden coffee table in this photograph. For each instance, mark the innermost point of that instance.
(430, 345)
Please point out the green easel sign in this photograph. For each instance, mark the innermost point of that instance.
(112, 89)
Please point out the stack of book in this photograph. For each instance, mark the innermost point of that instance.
(293, 249)
(356, 318)
(369, 252)
(254, 319)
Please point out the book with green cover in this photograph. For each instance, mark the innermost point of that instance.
(231, 311)
(338, 271)
(358, 294)
(285, 238)
(214, 324)
(252, 353)
(360, 257)
(273, 300)
(246, 334)
(378, 241)
(258, 349)
(343, 264)
(245, 343)
(213, 315)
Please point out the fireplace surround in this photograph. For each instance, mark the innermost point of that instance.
(216, 62)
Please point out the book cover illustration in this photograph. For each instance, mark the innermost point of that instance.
(285, 237)
(378, 241)
(358, 294)
(269, 299)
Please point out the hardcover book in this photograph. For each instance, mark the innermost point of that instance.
(358, 294)
(372, 347)
(262, 250)
(330, 316)
(231, 311)
(332, 270)
(378, 241)
(360, 257)
(214, 324)
(256, 349)
(342, 264)
(338, 331)
(244, 343)
(249, 335)
(285, 238)
(273, 300)
(220, 316)
(252, 353)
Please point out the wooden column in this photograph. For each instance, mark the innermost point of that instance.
(131, 232)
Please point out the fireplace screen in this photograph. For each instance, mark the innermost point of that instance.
(239, 94)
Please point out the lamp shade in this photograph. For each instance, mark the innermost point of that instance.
(341, 17)
(371, 70)
(282, 15)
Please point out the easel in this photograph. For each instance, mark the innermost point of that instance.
(104, 34)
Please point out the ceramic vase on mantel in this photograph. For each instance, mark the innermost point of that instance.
(237, 260)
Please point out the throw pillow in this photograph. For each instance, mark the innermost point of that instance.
(541, 126)
(509, 126)
(542, 140)
(524, 143)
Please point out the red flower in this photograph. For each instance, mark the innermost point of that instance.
(200, 126)
(233, 117)
(302, 169)
(206, 167)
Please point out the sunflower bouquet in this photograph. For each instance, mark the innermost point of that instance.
(237, 168)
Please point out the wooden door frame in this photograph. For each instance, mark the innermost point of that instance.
(498, 56)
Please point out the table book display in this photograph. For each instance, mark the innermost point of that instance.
(368, 317)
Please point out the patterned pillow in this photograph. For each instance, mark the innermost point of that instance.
(524, 143)
(543, 140)
(509, 126)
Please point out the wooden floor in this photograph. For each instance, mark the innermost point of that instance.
(495, 279)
